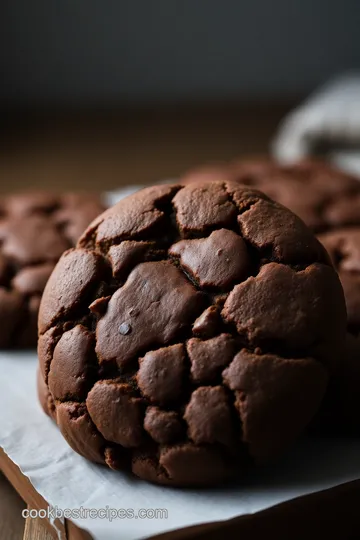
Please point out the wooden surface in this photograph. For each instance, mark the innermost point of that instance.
(107, 150)
(15, 524)
(11, 506)
(35, 530)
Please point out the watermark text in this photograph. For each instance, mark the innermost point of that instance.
(110, 514)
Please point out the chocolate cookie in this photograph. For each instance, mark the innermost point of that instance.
(343, 246)
(320, 194)
(191, 331)
(327, 200)
(35, 229)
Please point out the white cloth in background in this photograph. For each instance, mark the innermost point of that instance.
(113, 197)
(329, 118)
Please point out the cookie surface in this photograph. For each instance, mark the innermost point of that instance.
(328, 201)
(35, 229)
(321, 195)
(179, 338)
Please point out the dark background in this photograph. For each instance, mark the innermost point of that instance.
(95, 95)
(141, 50)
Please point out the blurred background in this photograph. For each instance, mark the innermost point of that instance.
(102, 94)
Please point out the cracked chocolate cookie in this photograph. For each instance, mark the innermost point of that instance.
(328, 200)
(190, 333)
(35, 229)
(321, 195)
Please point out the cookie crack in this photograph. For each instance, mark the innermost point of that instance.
(241, 209)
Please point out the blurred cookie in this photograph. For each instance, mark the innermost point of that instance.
(35, 229)
(321, 195)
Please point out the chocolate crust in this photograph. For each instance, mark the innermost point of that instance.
(197, 334)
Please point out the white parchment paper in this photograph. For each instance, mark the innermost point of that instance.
(66, 480)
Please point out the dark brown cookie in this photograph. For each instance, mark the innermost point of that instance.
(182, 334)
(323, 196)
(328, 201)
(269, 397)
(35, 229)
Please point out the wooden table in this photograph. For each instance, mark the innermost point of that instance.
(16, 494)
(104, 150)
